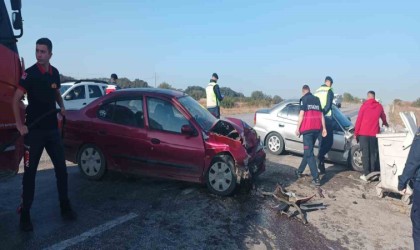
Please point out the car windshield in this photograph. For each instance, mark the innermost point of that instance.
(341, 118)
(203, 117)
(63, 88)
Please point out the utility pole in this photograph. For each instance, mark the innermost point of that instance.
(155, 79)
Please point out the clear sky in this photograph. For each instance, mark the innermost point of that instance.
(273, 46)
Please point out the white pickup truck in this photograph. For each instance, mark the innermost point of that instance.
(78, 94)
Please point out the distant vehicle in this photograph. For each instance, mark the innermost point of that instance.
(162, 133)
(276, 128)
(338, 99)
(78, 94)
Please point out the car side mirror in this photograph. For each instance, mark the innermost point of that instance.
(68, 97)
(187, 130)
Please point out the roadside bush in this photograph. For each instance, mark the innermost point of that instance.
(397, 101)
(228, 102)
(277, 99)
(416, 103)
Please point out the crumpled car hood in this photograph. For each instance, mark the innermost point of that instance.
(237, 129)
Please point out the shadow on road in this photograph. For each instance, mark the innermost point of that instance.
(171, 214)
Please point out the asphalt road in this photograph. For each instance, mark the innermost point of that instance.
(125, 212)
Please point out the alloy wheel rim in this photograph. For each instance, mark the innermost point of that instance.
(274, 143)
(357, 158)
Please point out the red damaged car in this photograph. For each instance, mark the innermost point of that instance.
(162, 133)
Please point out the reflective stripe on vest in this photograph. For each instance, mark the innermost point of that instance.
(322, 94)
(211, 96)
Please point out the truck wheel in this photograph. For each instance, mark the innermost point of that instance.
(91, 161)
(275, 143)
(221, 177)
(356, 158)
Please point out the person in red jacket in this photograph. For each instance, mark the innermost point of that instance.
(367, 127)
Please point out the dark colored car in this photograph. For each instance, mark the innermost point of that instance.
(162, 133)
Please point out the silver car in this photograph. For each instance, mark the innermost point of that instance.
(276, 128)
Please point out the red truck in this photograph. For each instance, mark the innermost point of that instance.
(10, 72)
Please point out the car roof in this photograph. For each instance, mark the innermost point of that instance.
(162, 92)
(85, 81)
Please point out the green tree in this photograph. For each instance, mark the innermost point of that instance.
(258, 95)
(196, 92)
(165, 85)
(228, 92)
(277, 99)
(416, 103)
(347, 97)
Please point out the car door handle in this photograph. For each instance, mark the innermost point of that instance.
(102, 132)
(281, 125)
(84, 103)
(155, 141)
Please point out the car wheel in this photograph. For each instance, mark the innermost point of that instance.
(221, 177)
(275, 143)
(356, 158)
(91, 162)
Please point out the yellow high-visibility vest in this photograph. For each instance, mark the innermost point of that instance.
(322, 94)
(212, 100)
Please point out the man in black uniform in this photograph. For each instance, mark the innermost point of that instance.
(311, 124)
(411, 172)
(41, 82)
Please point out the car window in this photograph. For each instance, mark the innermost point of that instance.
(125, 112)
(64, 88)
(164, 116)
(94, 91)
(76, 94)
(291, 112)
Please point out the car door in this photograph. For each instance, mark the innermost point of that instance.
(121, 134)
(94, 93)
(172, 153)
(76, 98)
(288, 123)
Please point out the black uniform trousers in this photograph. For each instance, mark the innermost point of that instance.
(35, 142)
(369, 147)
(326, 143)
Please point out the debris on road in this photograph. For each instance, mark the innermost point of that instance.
(290, 200)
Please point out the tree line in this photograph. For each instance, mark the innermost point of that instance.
(231, 97)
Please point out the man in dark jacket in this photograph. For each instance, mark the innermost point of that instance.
(311, 122)
(326, 96)
(411, 172)
(367, 127)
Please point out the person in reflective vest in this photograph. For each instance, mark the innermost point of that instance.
(326, 97)
(411, 173)
(213, 95)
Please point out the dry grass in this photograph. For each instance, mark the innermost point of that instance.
(395, 109)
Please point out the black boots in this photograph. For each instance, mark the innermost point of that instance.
(25, 221)
(66, 212)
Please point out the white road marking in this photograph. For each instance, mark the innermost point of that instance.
(93, 232)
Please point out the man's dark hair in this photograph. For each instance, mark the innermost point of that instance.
(306, 87)
(114, 76)
(215, 76)
(45, 41)
(329, 78)
(371, 92)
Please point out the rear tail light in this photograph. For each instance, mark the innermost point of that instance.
(255, 119)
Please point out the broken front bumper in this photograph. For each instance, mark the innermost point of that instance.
(253, 167)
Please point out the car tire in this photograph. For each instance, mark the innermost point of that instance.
(91, 161)
(275, 143)
(356, 158)
(221, 176)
